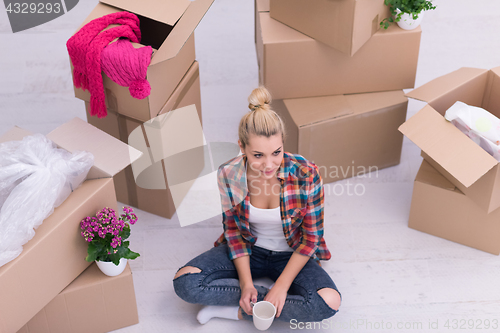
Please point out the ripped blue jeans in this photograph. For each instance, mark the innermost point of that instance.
(218, 284)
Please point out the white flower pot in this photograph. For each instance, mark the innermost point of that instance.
(111, 269)
(407, 22)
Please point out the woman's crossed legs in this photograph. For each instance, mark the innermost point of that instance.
(211, 279)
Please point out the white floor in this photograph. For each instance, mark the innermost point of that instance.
(387, 273)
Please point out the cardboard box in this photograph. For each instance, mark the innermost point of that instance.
(439, 208)
(259, 6)
(445, 147)
(293, 65)
(345, 135)
(55, 256)
(159, 200)
(168, 27)
(344, 25)
(93, 302)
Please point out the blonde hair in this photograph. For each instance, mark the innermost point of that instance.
(260, 120)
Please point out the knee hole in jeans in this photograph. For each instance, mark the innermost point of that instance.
(186, 270)
(331, 297)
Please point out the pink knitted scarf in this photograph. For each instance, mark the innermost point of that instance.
(85, 48)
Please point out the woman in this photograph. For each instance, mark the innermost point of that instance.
(273, 227)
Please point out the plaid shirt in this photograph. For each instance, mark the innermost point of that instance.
(301, 203)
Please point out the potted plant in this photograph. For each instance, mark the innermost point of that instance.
(106, 234)
(406, 13)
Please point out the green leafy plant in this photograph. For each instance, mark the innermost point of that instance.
(412, 7)
(106, 233)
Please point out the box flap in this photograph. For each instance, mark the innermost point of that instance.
(368, 102)
(444, 84)
(262, 5)
(167, 12)
(14, 134)
(308, 111)
(496, 70)
(311, 110)
(449, 147)
(98, 11)
(428, 175)
(110, 154)
(182, 88)
(273, 31)
(182, 30)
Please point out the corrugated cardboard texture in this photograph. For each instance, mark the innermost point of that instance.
(93, 302)
(343, 25)
(53, 258)
(453, 154)
(156, 201)
(293, 65)
(346, 135)
(449, 214)
(175, 53)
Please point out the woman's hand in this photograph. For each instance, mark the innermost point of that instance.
(277, 296)
(248, 293)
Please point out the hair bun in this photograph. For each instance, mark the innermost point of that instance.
(260, 98)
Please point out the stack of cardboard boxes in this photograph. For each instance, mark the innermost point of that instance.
(456, 192)
(337, 78)
(50, 287)
(173, 74)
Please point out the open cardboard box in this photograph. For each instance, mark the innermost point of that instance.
(168, 27)
(439, 208)
(344, 25)
(345, 135)
(470, 168)
(93, 302)
(55, 256)
(293, 65)
(155, 199)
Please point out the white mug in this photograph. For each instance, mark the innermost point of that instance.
(263, 315)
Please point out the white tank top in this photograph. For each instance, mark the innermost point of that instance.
(266, 225)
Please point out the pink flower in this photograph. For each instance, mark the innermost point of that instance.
(107, 221)
(116, 241)
(127, 209)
